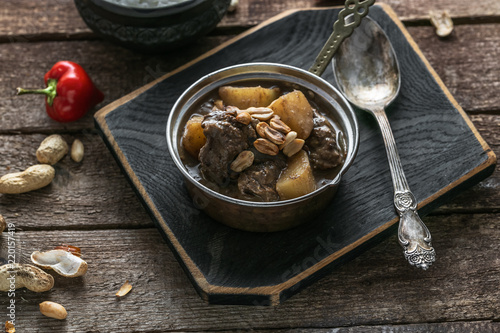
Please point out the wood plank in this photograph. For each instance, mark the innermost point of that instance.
(33, 20)
(467, 62)
(485, 194)
(458, 327)
(95, 194)
(377, 288)
(253, 12)
(87, 195)
(115, 70)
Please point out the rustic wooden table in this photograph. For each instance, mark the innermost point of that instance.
(92, 206)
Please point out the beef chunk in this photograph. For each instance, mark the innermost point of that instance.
(323, 149)
(226, 138)
(260, 179)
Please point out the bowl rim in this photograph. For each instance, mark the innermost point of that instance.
(351, 154)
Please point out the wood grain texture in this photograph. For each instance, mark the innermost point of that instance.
(469, 71)
(115, 70)
(459, 327)
(95, 194)
(35, 20)
(485, 194)
(376, 292)
(92, 194)
(466, 63)
(376, 289)
(439, 152)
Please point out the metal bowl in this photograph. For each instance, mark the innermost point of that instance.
(152, 29)
(262, 216)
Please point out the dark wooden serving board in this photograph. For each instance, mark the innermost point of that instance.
(441, 152)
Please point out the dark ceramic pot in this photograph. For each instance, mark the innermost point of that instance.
(155, 29)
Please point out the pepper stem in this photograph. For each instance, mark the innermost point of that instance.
(50, 91)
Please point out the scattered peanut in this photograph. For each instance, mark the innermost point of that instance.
(242, 161)
(274, 136)
(25, 275)
(9, 327)
(33, 178)
(53, 310)
(261, 113)
(3, 224)
(244, 117)
(52, 149)
(77, 151)
(442, 22)
(124, 290)
(260, 128)
(232, 6)
(293, 147)
(292, 135)
(266, 147)
(278, 124)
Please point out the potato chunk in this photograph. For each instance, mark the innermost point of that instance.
(193, 138)
(297, 178)
(295, 111)
(245, 97)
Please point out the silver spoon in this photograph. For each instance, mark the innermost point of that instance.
(367, 72)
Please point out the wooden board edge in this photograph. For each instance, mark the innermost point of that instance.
(274, 292)
(275, 297)
(203, 287)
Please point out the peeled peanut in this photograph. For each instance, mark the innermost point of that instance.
(243, 161)
(293, 147)
(77, 151)
(52, 149)
(33, 178)
(53, 310)
(266, 147)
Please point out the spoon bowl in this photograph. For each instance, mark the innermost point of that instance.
(367, 73)
(366, 68)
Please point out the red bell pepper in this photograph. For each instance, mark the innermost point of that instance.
(70, 92)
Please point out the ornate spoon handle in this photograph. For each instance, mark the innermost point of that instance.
(413, 235)
(342, 28)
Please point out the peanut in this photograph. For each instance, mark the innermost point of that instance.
(3, 224)
(260, 128)
(244, 117)
(442, 22)
(278, 124)
(53, 310)
(274, 136)
(33, 178)
(124, 289)
(266, 147)
(27, 276)
(292, 135)
(261, 113)
(293, 147)
(52, 149)
(242, 161)
(77, 151)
